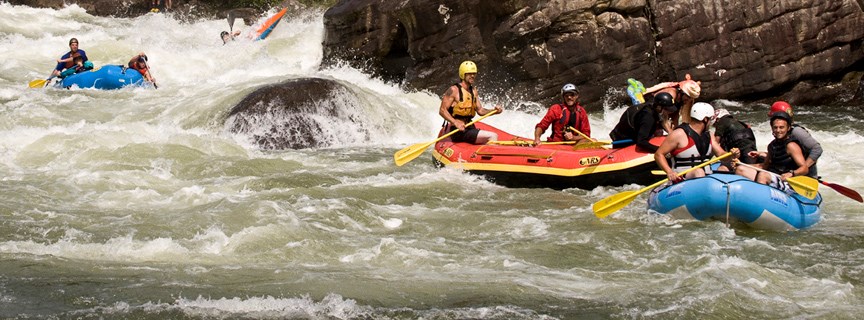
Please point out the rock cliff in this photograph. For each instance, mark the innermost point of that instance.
(749, 49)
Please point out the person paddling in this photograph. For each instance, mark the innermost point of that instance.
(562, 115)
(68, 60)
(139, 63)
(785, 157)
(691, 144)
(460, 103)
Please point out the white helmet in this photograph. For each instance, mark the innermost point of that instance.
(569, 88)
(720, 113)
(701, 110)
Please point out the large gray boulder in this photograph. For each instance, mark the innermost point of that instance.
(748, 49)
(300, 113)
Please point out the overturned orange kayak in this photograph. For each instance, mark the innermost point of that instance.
(557, 166)
(268, 25)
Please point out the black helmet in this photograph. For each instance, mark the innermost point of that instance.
(663, 99)
(781, 115)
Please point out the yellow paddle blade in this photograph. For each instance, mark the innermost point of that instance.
(805, 186)
(410, 152)
(613, 203)
(620, 200)
(413, 151)
(590, 145)
(37, 83)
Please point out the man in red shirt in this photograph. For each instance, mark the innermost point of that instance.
(563, 115)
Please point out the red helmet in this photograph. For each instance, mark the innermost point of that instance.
(780, 106)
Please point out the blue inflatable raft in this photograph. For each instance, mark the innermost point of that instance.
(107, 77)
(757, 205)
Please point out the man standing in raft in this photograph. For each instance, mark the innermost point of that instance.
(564, 115)
(459, 105)
(690, 145)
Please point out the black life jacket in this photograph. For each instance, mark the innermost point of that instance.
(568, 117)
(626, 127)
(781, 161)
(736, 134)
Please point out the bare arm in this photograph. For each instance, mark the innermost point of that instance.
(794, 150)
(482, 111)
(446, 101)
(669, 144)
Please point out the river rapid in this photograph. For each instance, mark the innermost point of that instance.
(140, 203)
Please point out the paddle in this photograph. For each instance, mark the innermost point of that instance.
(620, 200)
(581, 134)
(803, 185)
(413, 151)
(525, 142)
(39, 83)
(852, 194)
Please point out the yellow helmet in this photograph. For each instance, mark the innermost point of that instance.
(467, 67)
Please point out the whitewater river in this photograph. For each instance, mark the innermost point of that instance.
(139, 203)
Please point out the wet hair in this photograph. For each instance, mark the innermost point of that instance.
(73, 40)
(78, 58)
(223, 34)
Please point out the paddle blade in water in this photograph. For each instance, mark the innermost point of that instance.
(409, 153)
(805, 186)
(37, 83)
(613, 203)
(852, 194)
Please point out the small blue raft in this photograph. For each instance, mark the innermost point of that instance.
(107, 77)
(757, 205)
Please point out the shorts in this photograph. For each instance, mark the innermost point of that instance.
(780, 184)
(469, 135)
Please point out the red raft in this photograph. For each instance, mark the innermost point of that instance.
(557, 166)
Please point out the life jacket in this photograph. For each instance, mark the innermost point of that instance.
(71, 62)
(134, 65)
(781, 161)
(626, 127)
(735, 134)
(568, 117)
(465, 108)
(697, 151)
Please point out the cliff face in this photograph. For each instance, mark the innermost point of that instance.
(746, 49)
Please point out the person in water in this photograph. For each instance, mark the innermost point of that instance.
(642, 122)
(691, 144)
(684, 93)
(228, 36)
(562, 116)
(139, 63)
(785, 157)
(80, 66)
(68, 60)
(460, 103)
(734, 133)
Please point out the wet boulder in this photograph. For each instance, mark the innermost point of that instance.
(300, 113)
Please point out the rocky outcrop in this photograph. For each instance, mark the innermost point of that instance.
(299, 113)
(748, 49)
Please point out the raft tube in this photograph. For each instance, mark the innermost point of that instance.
(556, 166)
(730, 197)
(107, 77)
